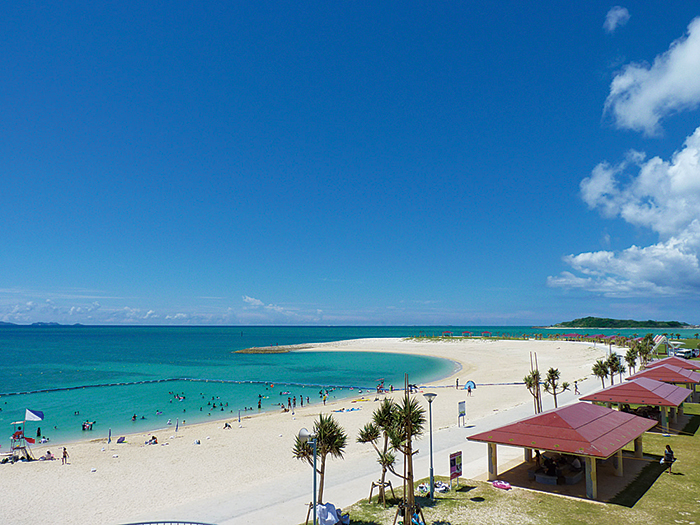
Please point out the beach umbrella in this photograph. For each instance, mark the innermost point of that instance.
(109, 437)
(177, 424)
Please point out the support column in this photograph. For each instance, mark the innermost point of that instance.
(674, 415)
(618, 464)
(638, 447)
(528, 455)
(591, 479)
(664, 420)
(609, 405)
(493, 462)
(680, 409)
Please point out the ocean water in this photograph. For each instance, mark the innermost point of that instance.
(110, 374)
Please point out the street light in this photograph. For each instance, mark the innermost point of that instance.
(307, 437)
(430, 396)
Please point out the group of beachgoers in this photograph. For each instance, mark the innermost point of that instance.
(50, 457)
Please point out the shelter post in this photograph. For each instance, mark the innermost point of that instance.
(527, 455)
(618, 464)
(674, 415)
(638, 447)
(664, 420)
(591, 478)
(680, 409)
(493, 462)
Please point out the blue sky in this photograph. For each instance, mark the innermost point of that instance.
(349, 162)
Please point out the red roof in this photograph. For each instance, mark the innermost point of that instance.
(675, 361)
(641, 391)
(668, 374)
(582, 429)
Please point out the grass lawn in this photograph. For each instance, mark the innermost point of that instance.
(654, 497)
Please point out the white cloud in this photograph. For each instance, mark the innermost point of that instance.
(252, 301)
(616, 17)
(663, 196)
(642, 95)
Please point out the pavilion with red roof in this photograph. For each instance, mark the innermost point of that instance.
(590, 431)
(644, 391)
(672, 374)
(675, 361)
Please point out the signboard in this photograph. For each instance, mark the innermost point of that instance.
(455, 465)
(462, 409)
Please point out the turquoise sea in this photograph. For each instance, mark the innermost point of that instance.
(107, 374)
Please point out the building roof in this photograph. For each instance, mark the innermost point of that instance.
(668, 374)
(675, 361)
(583, 429)
(641, 391)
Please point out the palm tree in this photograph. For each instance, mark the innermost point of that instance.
(621, 370)
(631, 358)
(532, 382)
(613, 364)
(382, 421)
(645, 348)
(600, 369)
(551, 384)
(330, 439)
(408, 420)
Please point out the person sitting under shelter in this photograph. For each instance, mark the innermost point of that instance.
(576, 465)
(550, 467)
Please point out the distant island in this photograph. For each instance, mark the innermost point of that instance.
(602, 322)
(39, 323)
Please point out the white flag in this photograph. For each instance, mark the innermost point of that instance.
(33, 415)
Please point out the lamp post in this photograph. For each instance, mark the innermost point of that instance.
(430, 396)
(307, 437)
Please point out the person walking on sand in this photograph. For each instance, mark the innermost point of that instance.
(64, 458)
(576, 390)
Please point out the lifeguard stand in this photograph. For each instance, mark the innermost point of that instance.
(19, 447)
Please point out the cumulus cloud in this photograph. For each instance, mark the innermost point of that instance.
(269, 307)
(252, 301)
(641, 95)
(75, 310)
(663, 196)
(616, 17)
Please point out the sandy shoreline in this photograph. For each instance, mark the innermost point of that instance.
(119, 483)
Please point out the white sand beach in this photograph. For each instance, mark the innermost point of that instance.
(247, 474)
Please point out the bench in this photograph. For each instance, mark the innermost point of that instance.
(545, 479)
(571, 477)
